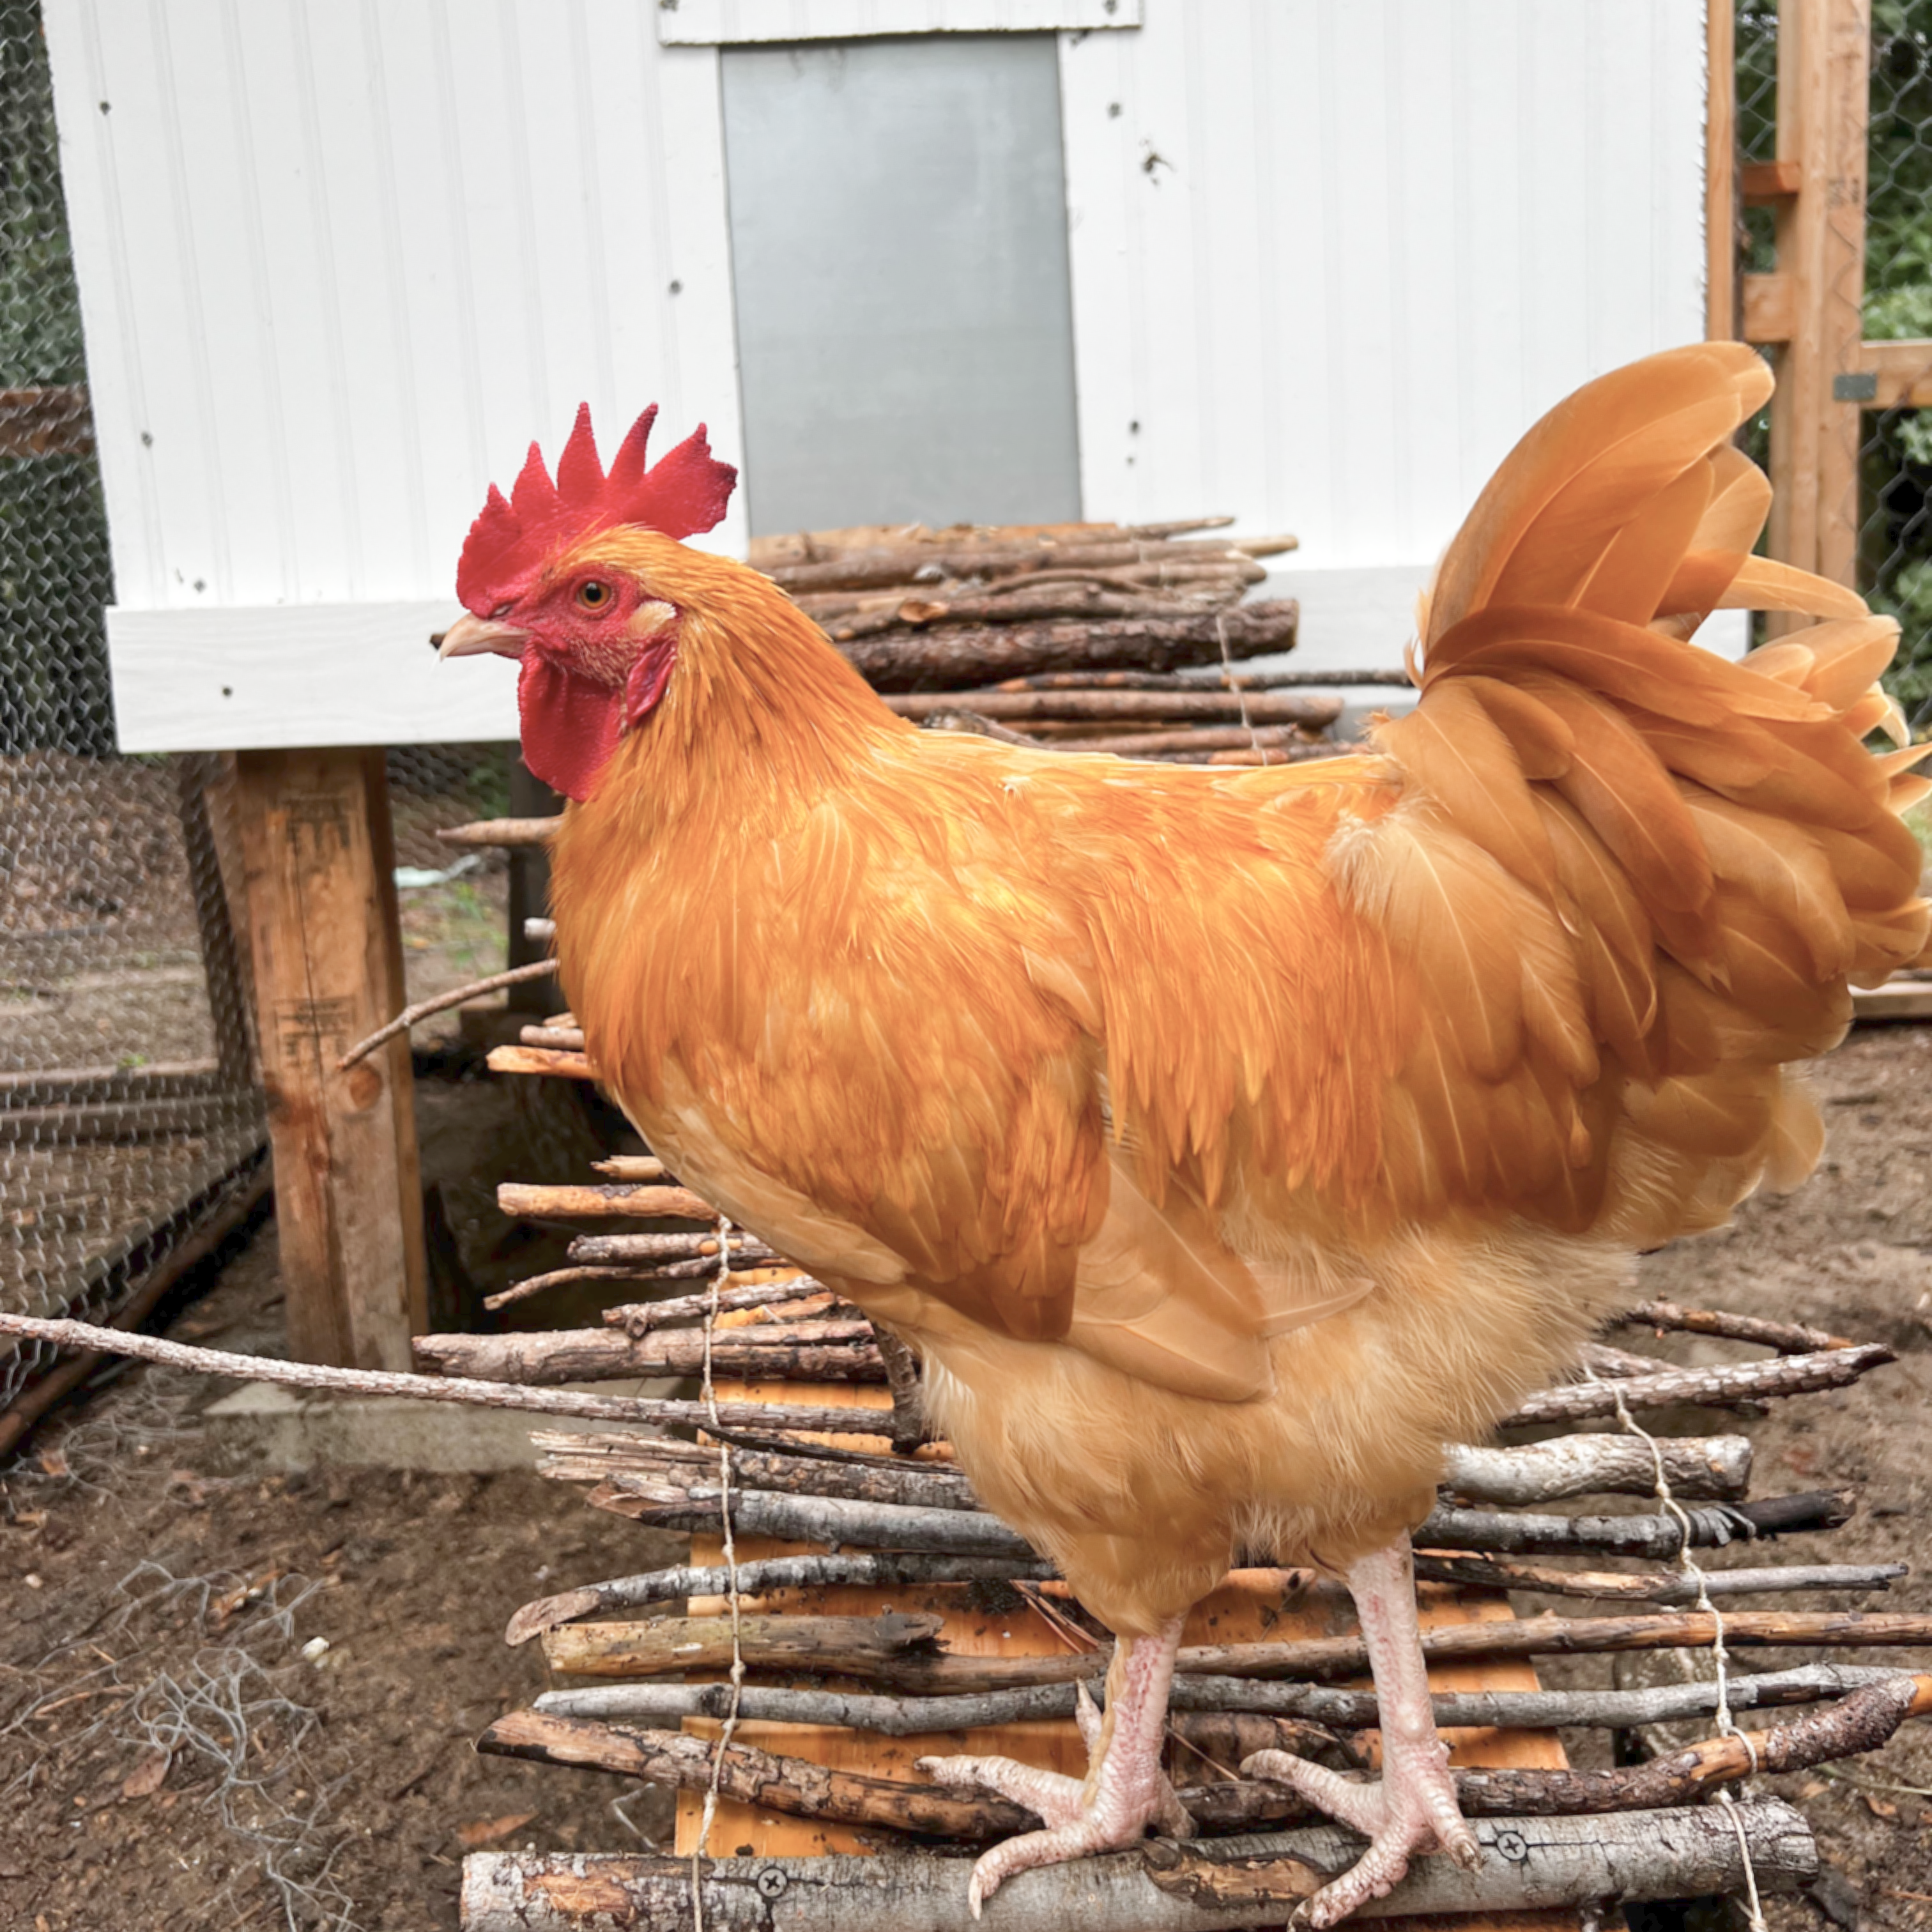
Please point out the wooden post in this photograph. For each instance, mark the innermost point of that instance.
(1816, 423)
(1720, 170)
(327, 947)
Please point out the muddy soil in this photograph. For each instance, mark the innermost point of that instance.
(176, 1748)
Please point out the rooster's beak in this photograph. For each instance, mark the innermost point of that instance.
(471, 636)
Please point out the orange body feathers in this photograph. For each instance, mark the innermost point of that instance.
(1227, 1141)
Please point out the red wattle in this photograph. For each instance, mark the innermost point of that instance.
(570, 724)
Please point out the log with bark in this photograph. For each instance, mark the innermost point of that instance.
(892, 565)
(639, 1317)
(1786, 1375)
(1222, 680)
(869, 1572)
(1699, 1468)
(838, 1350)
(1528, 1864)
(956, 657)
(1190, 742)
(1101, 708)
(603, 1200)
(1675, 1586)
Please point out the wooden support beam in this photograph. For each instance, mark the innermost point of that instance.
(1901, 372)
(1722, 321)
(1823, 55)
(327, 948)
(1767, 310)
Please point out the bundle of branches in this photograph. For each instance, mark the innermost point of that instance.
(636, 1661)
(917, 610)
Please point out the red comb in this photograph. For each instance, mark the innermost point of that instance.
(684, 493)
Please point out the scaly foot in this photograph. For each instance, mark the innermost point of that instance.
(1125, 1789)
(1413, 1809)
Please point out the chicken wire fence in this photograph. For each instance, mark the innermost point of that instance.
(1895, 551)
(129, 1107)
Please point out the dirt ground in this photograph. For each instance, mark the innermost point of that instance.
(178, 1747)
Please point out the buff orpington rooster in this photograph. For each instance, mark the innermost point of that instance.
(1225, 1142)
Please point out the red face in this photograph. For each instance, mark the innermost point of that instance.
(596, 654)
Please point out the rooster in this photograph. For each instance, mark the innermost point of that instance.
(1225, 1142)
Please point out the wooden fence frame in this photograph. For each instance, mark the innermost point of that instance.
(1808, 311)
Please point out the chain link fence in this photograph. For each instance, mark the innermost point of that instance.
(1894, 555)
(129, 1107)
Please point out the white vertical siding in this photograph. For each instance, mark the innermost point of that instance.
(340, 260)
(1333, 258)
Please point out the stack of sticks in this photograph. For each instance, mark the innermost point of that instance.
(1074, 635)
(879, 1603)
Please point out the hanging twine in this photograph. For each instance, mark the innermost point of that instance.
(1690, 1567)
(708, 1396)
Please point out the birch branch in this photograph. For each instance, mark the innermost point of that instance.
(603, 1200)
(1699, 1468)
(1539, 1864)
(639, 1317)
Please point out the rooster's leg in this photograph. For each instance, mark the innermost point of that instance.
(1125, 1789)
(1413, 1808)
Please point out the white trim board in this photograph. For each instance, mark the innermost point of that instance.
(287, 675)
(728, 22)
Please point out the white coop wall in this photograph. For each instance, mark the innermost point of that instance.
(339, 263)
(1332, 257)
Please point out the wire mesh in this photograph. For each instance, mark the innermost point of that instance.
(127, 1101)
(1895, 457)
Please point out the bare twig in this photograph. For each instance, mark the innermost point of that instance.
(537, 969)
(1660, 1536)
(424, 1388)
(629, 1200)
(1788, 1338)
(495, 832)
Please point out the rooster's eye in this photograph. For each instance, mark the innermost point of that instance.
(593, 595)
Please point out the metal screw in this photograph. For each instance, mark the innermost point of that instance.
(1514, 1846)
(772, 1881)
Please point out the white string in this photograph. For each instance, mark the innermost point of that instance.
(1688, 1565)
(1239, 690)
(708, 1395)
